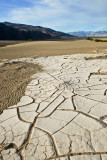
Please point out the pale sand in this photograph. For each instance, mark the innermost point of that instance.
(63, 115)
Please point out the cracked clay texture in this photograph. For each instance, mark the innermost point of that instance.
(63, 115)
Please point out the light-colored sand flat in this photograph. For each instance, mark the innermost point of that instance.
(63, 115)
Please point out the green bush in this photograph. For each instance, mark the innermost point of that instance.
(89, 38)
(2, 45)
(99, 40)
(29, 40)
(104, 40)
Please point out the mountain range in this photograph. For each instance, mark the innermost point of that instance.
(89, 34)
(12, 31)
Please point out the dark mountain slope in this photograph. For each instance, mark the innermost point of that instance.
(12, 31)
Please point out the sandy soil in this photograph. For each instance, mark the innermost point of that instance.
(103, 38)
(48, 48)
(13, 80)
(8, 42)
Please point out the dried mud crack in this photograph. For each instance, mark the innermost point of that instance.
(63, 113)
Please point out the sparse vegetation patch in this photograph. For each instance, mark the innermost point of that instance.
(89, 38)
(97, 57)
(100, 40)
(96, 40)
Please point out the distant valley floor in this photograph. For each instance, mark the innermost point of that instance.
(50, 48)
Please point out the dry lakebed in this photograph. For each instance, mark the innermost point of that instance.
(63, 114)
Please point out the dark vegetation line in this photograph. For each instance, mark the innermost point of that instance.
(96, 40)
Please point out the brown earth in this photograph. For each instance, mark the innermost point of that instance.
(14, 78)
(7, 42)
(50, 48)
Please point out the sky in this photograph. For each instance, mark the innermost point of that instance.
(61, 15)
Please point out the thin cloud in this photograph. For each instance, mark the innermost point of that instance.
(64, 15)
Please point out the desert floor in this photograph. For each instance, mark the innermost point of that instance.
(50, 48)
(62, 114)
(15, 77)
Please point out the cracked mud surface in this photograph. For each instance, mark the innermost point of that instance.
(63, 115)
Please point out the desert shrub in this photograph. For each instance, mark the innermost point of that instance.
(2, 45)
(29, 40)
(89, 38)
(99, 40)
(104, 40)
